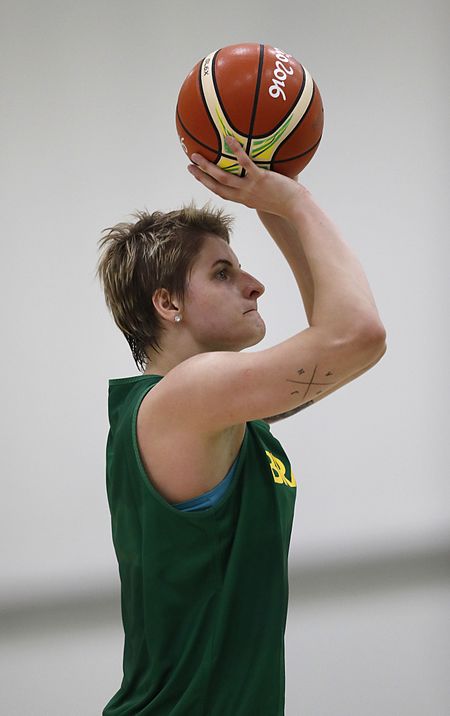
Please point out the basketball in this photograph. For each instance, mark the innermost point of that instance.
(260, 95)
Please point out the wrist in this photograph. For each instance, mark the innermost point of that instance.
(299, 205)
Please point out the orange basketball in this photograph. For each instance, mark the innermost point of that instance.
(260, 95)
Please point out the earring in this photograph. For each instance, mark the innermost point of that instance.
(178, 318)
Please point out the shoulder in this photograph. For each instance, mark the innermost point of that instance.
(180, 461)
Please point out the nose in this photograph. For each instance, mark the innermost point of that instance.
(253, 287)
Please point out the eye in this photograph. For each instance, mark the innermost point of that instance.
(224, 271)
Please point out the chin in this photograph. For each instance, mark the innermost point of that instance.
(255, 339)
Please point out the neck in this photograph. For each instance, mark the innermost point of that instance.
(163, 363)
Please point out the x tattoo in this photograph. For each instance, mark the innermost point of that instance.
(310, 383)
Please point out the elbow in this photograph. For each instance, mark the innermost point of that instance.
(370, 339)
(377, 333)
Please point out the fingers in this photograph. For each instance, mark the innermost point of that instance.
(218, 187)
(221, 175)
(221, 182)
(242, 157)
(214, 171)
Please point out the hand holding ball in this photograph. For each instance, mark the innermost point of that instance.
(261, 96)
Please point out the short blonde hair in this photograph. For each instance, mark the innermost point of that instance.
(157, 251)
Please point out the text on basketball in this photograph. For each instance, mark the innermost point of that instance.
(280, 74)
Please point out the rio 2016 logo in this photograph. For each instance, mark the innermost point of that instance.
(280, 75)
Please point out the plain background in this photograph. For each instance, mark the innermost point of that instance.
(88, 136)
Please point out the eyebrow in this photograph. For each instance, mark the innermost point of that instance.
(224, 261)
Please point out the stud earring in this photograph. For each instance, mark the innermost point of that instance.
(178, 318)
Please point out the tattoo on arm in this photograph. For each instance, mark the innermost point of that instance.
(281, 416)
(308, 384)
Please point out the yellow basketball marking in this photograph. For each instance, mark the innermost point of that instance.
(261, 149)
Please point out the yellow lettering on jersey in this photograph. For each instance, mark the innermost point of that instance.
(279, 471)
(292, 483)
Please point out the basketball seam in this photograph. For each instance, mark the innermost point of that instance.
(218, 95)
(297, 156)
(199, 141)
(305, 114)
(205, 104)
(211, 149)
(255, 161)
(293, 106)
(255, 101)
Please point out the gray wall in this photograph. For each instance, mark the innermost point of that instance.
(88, 94)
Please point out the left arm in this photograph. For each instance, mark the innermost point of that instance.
(281, 227)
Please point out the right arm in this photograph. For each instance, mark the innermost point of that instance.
(324, 393)
(226, 388)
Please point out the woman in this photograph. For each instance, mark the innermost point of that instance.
(201, 493)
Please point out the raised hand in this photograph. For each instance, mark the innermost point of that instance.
(259, 189)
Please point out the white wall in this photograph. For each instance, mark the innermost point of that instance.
(89, 93)
(88, 135)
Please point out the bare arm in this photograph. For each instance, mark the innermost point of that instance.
(284, 232)
(343, 303)
(345, 335)
(324, 393)
(281, 227)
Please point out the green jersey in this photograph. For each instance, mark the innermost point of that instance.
(204, 594)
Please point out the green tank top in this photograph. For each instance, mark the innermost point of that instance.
(204, 594)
